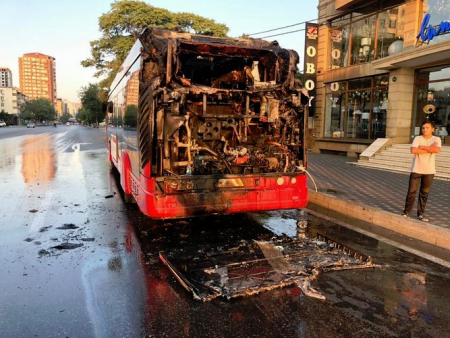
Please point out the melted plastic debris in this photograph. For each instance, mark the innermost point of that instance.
(263, 265)
(68, 226)
(67, 246)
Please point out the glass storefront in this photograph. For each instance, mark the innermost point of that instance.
(432, 99)
(340, 32)
(363, 39)
(357, 109)
(390, 31)
(358, 37)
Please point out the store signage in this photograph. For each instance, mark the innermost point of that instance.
(334, 86)
(310, 63)
(428, 32)
(336, 35)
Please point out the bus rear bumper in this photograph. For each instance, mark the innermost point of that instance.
(191, 204)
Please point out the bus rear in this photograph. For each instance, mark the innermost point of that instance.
(201, 125)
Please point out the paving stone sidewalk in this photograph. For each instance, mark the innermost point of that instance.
(384, 190)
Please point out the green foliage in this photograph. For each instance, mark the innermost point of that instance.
(84, 116)
(121, 26)
(39, 110)
(65, 118)
(104, 85)
(130, 118)
(90, 112)
(197, 24)
(4, 116)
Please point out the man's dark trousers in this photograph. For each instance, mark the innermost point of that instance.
(425, 181)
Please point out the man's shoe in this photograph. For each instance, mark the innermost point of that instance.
(405, 215)
(423, 218)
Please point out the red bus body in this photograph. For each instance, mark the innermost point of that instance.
(200, 125)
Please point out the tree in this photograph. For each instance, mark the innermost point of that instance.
(124, 22)
(4, 116)
(65, 118)
(90, 112)
(39, 110)
(130, 118)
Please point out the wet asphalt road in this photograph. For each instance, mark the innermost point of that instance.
(77, 262)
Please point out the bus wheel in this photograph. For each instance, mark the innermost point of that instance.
(110, 161)
(126, 180)
(128, 198)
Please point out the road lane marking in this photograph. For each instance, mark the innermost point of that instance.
(38, 221)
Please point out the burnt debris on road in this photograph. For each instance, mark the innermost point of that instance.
(253, 267)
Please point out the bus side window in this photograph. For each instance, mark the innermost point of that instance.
(109, 110)
(110, 107)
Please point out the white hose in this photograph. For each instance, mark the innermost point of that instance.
(315, 186)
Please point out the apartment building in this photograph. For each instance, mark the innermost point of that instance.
(8, 100)
(21, 100)
(382, 68)
(59, 108)
(37, 75)
(72, 108)
(5, 77)
(12, 101)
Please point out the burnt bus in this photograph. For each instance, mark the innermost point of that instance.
(201, 125)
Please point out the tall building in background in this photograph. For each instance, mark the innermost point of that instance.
(37, 75)
(59, 107)
(5, 77)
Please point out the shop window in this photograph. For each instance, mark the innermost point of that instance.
(366, 35)
(358, 114)
(365, 82)
(390, 32)
(335, 109)
(357, 109)
(339, 35)
(379, 112)
(339, 48)
(363, 37)
(432, 99)
(381, 80)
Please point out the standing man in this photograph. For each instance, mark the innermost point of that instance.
(424, 147)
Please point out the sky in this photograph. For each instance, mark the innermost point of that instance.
(63, 29)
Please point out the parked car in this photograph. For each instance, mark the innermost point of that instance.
(2, 124)
(30, 125)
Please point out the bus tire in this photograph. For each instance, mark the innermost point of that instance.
(126, 179)
(128, 198)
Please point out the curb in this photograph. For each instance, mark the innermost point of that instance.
(416, 229)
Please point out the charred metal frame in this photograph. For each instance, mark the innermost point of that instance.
(262, 266)
(223, 106)
(214, 114)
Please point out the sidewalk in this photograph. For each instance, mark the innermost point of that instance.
(378, 197)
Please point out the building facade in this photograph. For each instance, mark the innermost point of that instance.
(5, 77)
(72, 108)
(12, 101)
(59, 108)
(37, 75)
(8, 100)
(21, 100)
(382, 68)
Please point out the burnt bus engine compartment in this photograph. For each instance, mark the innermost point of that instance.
(222, 106)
